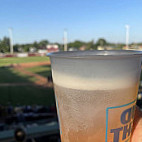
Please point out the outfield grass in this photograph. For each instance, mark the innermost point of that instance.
(10, 75)
(41, 70)
(23, 95)
(26, 95)
(16, 60)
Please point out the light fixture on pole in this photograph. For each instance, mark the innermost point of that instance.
(127, 36)
(11, 40)
(65, 41)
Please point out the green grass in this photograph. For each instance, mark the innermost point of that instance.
(28, 95)
(9, 75)
(41, 70)
(24, 95)
(15, 60)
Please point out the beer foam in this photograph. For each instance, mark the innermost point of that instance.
(96, 74)
(81, 83)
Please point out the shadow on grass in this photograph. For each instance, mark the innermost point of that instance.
(22, 95)
(9, 75)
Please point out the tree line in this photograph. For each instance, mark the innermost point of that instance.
(91, 45)
(5, 45)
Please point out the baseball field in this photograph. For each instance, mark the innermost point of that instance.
(24, 81)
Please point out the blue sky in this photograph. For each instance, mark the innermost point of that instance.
(33, 20)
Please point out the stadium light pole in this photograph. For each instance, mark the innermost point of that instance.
(11, 40)
(65, 41)
(127, 36)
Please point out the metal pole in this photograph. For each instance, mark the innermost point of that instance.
(127, 36)
(65, 41)
(11, 40)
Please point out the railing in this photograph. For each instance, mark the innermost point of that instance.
(31, 132)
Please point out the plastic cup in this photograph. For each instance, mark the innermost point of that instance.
(96, 93)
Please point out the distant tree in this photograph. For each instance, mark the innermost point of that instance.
(119, 46)
(26, 48)
(140, 43)
(35, 44)
(90, 45)
(101, 42)
(76, 44)
(5, 45)
(43, 43)
(61, 47)
(15, 47)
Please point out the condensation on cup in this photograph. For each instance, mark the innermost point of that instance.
(96, 93)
